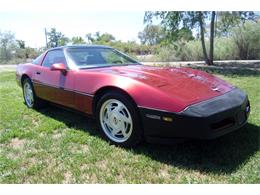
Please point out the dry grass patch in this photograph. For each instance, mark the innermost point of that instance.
(17, 143)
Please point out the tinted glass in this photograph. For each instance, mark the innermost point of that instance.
(38, 60)
(93, 57)
(52, 57)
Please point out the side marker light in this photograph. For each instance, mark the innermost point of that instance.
(167, 119)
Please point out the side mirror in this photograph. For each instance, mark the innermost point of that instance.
(60, 67)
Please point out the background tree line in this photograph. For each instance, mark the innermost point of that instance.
(182, 27)
(178, 36)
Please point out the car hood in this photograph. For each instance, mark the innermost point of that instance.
(184, 84)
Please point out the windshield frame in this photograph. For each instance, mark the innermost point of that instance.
(73, 65)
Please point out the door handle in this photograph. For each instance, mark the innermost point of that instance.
(38, 73)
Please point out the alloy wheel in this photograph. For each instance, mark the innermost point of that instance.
(116, 120)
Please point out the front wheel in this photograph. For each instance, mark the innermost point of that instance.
(118, 120)
(30, 99)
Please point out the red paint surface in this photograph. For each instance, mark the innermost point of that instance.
(170, 89)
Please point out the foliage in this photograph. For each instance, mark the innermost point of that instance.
(177, 22)
(242, 44)
(152, 35)
(247, 40)
(56, 38)
(21, 44)
(98, 38)
(15, 51)
(225, 49)
(192, 50)
(27, 53)
(78, 40)
(129, 47)
(167, 54)
(89, 37)
(226, 20)
(7, 46)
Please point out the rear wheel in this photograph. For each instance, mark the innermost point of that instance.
(118, 120)
(30, 99)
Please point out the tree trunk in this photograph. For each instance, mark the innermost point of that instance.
(211, 46)
(202, 39)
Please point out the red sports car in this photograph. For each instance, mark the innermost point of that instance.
(131, 101)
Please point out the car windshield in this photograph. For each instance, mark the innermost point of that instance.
(97, 57)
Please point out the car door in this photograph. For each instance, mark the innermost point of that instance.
(54, 85)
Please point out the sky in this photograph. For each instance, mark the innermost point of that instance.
(29, 26)
(121, 18)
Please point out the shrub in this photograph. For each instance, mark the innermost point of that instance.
(166, 54)
(180, 51)
(192, 51)
(225, 49)
(247, 40)
(243, 44)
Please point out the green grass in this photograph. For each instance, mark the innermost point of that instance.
(56, 146)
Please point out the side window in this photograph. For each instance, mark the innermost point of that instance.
(54, 56)
(38, 60)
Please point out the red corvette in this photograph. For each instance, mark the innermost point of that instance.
(131, 101)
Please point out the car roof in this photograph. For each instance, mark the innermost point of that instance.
(80, 46)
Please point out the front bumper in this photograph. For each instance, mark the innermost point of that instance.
(205, 120)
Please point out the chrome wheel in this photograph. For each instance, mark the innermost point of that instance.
(28, 94)
(116, 120)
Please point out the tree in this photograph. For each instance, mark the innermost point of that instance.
(77, 40)
(247, 40)
(104, 38)
(211, 43)
(201, 23)
(98, 38)
(7, 45)
(89, 38)
(56, 38)
(63, 41)
(152, 35)
(21, 44)
(227, 20)
(175, 22)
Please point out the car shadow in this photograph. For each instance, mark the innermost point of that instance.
(222, 155)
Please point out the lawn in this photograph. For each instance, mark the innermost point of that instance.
(53, 145)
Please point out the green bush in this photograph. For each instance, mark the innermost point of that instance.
(225, 49)
(180, 51)
(247, 40)
(243, 44)
(192, 51)
(166, 54)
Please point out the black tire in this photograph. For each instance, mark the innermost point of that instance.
(137, 134)
(37, 102)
